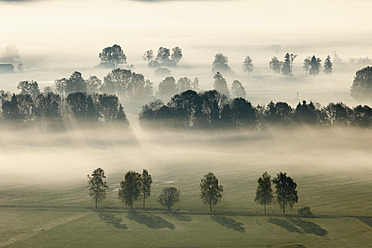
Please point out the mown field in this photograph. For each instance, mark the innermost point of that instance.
(44, 201)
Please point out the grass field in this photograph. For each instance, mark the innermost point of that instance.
(46, 204)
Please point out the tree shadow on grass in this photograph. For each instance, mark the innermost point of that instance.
(228, 222)
(154, 222)
(181, 217)
(112, 220)
(285, 224)
(309, 227)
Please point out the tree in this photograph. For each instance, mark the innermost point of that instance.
(168, 197)
(362, 84)
(97, 186)
(211, 192)
(183, 84)
(130, 188)
(237, 89)
(176, 54)
(264, 192)
(248, 65)
(315, 66)
(220, 64)
(306, 65)
(93, 85)
(288, 64)
(75, 83)
(113, 55)
(195, 84)
(29, 87)
(10, 109)
(275, 65)
(328, 65)
(146, 182)
(220, 84)
(286, 193)
(167, 87)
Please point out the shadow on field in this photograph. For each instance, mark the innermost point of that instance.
(309, 227)
(294, 225)
(285, 224)
(154, 222)
(228, 222)
(181, 217)
(112, 220)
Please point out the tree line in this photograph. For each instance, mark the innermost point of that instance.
(78, 106)
(211, 109)
(136, 186)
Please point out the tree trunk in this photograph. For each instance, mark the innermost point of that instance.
(143, 200)
(265, 208)
(283, 208)
(96, 202)
(210, 205)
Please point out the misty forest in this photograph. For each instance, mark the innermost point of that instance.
(216, 123)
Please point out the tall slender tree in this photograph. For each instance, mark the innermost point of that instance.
(275, 65)
(315, 66)
(264, 192)
(211, 191)
(248, 65)
(288, 64)
(146, 181)
(328, 65)
(306, 65)
(220, 84)
(286, 191)
(97, 186)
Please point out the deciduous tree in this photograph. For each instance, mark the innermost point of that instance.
(264, 192)
(97, 186)
(286, 191)
(211, 191)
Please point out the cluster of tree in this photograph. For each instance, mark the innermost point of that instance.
(312, 65)
(285, 191)
(362, 84)
(122, 82)
(112, 56)
(169, 86)
(220, 65)
(210, 109)
(136, 186)
(164, 57)
(27, 107)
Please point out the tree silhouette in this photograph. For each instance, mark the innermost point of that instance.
(220, 84)
(288, 64)
(315, 66)
(275, 65)
(130, 188)
(211, 192)
(168, 197)
(237, 89)
(248, 65)
(220, 64)
(264, 192)
(285, 189)
(97, 186)
(29, 87)
(306, 66)
(146, 181)
(362, 84)
(113, 55)
(328, 65)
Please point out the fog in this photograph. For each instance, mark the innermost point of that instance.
(55, 38)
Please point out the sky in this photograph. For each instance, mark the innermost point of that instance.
(56, 37)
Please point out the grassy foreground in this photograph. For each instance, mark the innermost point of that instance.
(53, 209)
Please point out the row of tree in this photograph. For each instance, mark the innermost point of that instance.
(136, 186)
(210, 109)
(50, 106)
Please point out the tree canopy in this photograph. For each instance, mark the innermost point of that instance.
(113, 55)
(168, 197)
(264, 192)
(362, 84)
(130, 188)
